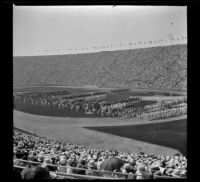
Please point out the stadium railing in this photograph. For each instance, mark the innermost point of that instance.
(100, 171)
(74, 176)
(103, 172)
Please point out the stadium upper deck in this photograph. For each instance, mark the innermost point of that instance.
(156, 68)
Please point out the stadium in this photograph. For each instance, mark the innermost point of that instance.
(114, 114)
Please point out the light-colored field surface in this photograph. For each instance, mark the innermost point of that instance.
(106, 88)
(70, 129)
(158, 98)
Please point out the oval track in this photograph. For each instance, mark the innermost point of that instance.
(71, 129)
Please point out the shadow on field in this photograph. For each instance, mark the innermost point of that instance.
(54, 89)
(171, 134)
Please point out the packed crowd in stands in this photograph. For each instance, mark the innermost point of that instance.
(95, 103)
(156, 67)
(74, 159)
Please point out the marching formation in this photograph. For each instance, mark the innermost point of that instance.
(161, 110)
(74, 159)
(95, 103)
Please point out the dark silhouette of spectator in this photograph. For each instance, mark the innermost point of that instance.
(27, 172)
(16, 175)
(41, 173)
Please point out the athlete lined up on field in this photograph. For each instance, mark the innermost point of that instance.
(96, 104)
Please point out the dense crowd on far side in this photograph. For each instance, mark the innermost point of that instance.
(163, 67)
(75, 159)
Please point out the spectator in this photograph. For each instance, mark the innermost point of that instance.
(40, 173)
(50, 151)
(16, 175)
(81, 164)
(69, 165)
(142, 172)
(62, 167)
(91, 166)
(27, 172)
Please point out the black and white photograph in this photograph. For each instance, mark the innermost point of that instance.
(100, 92)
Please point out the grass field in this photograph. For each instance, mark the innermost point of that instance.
(85, 90)
(48, 89)
(170, 134)
(51, 111)
(72, 129)
(108, 133)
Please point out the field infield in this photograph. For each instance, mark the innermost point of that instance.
(170, 134)
(167, 136)
(72, 130)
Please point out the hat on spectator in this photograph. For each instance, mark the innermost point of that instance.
(95, 157)
(169, 171)
(62, 157)
(63, 162)
(73, 156)
(156, 164)
(127, 166)
(66, 153)
(154, 157)
(154, 169)
(167, 157)
(101, 159)
(176, 172)
(141, 168)
(69, 162)
(23, 150)
(81, 159)
(54, 156)
(31, 157)
(40, 158)
(132, 162)
(139, 162)
(89, 158)
(183, 173)
(52, 175)
(48, 160)
(84, 155)
(91, 164)
(141, 154)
